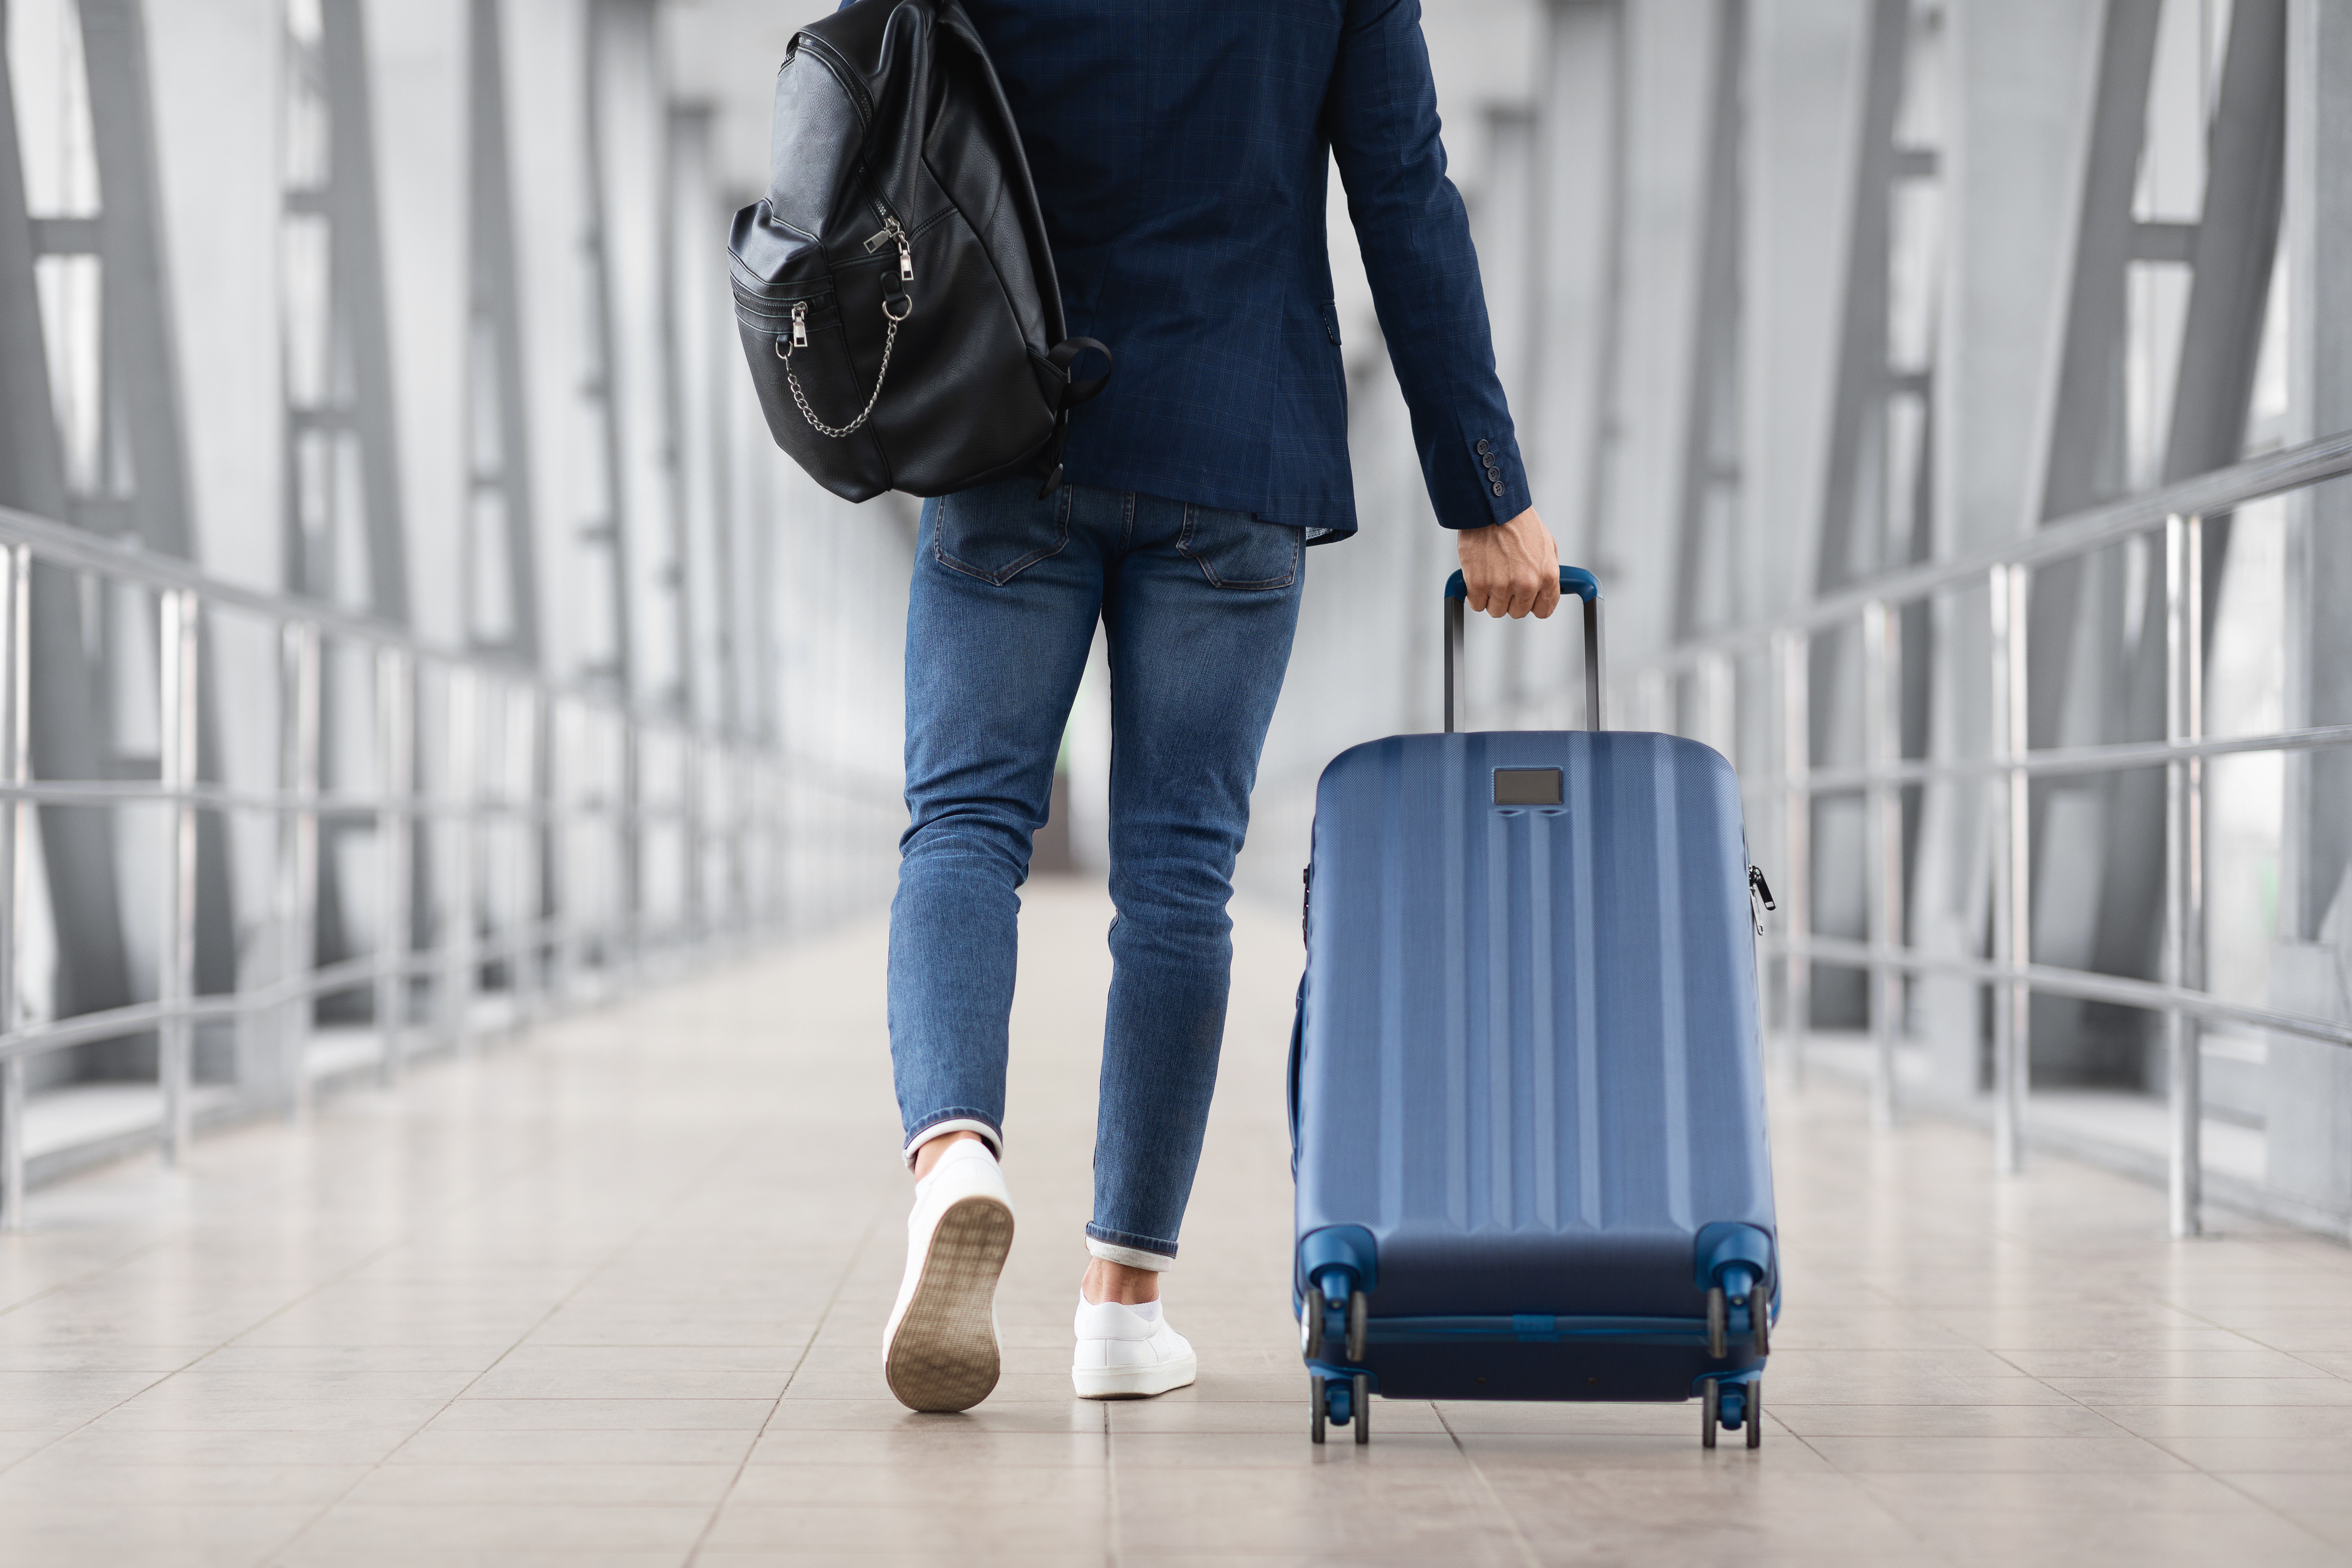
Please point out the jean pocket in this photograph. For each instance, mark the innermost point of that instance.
(1235, 550)
(998, 532)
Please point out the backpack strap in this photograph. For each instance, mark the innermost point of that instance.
(1064, 355)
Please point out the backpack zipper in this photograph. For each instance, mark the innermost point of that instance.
(855, 88)
(890, 231)
(842, 73)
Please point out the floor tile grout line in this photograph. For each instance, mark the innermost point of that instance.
(1862, 1487)
(31, 1454)
(848, 1271)
(2065, 1398)
(588, 1278)
(2263, 1503)
(132, 1256)
(158, 1243)
(389, 1247)
(1927, 1543)
(2274, 1349)
(1486, 1485)
(1110, 1490)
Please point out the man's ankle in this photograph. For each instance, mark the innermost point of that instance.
(1107, 1281)
(933, 1151)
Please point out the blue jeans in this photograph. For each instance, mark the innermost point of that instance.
(1197, 608)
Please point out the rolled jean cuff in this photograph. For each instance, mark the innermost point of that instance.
(953, 1121)
(1133, 1251)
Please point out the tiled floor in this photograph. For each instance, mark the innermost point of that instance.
(612, 1299)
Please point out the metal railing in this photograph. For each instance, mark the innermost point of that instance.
(739, 812)
(1794, 783)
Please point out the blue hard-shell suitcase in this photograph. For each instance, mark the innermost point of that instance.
(1526, 1094)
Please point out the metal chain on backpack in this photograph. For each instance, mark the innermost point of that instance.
(801, 398)
(890, 232)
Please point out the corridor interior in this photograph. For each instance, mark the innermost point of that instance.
(611, 1297)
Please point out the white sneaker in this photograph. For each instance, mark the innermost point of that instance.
(940, 1352)
(1126, 1354)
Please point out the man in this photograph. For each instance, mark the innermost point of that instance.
(1180, 155)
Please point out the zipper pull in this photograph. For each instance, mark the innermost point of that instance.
(891, 231)
(1756, 885)
(799, 324)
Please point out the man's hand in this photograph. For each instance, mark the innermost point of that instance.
(1511, 567)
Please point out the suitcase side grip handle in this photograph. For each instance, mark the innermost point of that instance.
(1572, 579)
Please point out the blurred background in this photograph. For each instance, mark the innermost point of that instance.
(412, 628)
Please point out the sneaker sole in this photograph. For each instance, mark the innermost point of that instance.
(1134, 1382)
(944, 1355)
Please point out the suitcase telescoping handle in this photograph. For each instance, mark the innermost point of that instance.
(1572, 579)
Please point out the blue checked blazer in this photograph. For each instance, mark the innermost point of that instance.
(1182, 152)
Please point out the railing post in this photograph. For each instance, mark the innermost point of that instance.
(691, 778)
(298, 855)
(742, 835)
(2013, 883)
(15, 688)
(630, 817)
(1882, 732)
(2184, 880)
(530, 917)
(1792, 660)
(175, 976)
(557, 786)
(395, 771)
(463, 823)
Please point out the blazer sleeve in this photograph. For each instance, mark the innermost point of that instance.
(1382, 117)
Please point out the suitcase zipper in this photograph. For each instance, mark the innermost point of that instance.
(1758, 886)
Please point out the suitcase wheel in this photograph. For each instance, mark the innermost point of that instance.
(1733, 1405)
(1314, 1334)
(1738, 1286)
(1340, 1402)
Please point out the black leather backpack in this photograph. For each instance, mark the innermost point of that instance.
(894, 293)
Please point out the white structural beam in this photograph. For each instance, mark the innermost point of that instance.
(1664, 150)
(1575, 288)
(2016, 71)
(2309, 1120)
(1806, 63)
